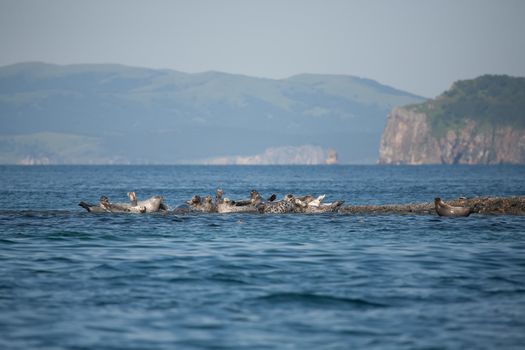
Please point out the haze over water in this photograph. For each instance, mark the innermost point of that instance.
(420, 47)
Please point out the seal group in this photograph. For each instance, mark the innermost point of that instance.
(255, 203)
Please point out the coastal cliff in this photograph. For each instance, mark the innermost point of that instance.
(480, 121)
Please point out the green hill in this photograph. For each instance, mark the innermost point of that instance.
(490, 100)
(478, 121)
(127, 114)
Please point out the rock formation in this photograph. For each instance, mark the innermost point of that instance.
(331, 157)
(479, 121)
(479, 205)
(408, 139)
(285, 155)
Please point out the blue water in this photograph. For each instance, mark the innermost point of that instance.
(70, 279)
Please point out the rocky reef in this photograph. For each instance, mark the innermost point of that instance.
(479, 205)
(480, 121)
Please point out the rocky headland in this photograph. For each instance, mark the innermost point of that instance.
(480, 121)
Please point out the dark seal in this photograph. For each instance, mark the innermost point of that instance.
(444, 209)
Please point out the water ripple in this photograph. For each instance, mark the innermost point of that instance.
(69, 279)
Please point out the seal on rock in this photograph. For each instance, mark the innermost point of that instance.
(443, 209)
(286, 205)
(105, 206)
(152, 204)
(93, 208)
(309, 204)
(225, 205)
(206, 205)
(325, 207)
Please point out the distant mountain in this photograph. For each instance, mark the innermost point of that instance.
(118, 114)
(477, 121)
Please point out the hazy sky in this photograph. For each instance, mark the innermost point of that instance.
(418, 46)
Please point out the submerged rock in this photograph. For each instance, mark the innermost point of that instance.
(480, 205)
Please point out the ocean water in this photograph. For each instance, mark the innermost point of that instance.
(75, 280)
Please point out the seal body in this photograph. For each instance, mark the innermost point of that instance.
(92, 208)
(229, 206)
(202, 205)
(105, 206)
(152, 204)
(286, 205)
(225, 205)
(120, 207)
(195, 203)
(443, 209)
(324, 208)
(310, 204)
(208, 206)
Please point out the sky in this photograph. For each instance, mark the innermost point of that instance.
(418, 46)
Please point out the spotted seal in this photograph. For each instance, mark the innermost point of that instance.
(105, 206)
(310, 204)
(225, 205)
(208, 205)
(203, 205)
(286, 205)
(195, 203)
(303, 203)
(443, 209)
(325, 207)
(120, 207)
(152, 204)
(93, 208)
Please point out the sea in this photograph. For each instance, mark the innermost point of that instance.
(75, 280)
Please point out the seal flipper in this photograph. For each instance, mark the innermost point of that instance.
(218, 196)
(85, 205)
(133, 198)
(336, 204)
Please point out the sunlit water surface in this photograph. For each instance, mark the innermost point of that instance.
(70, 279)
